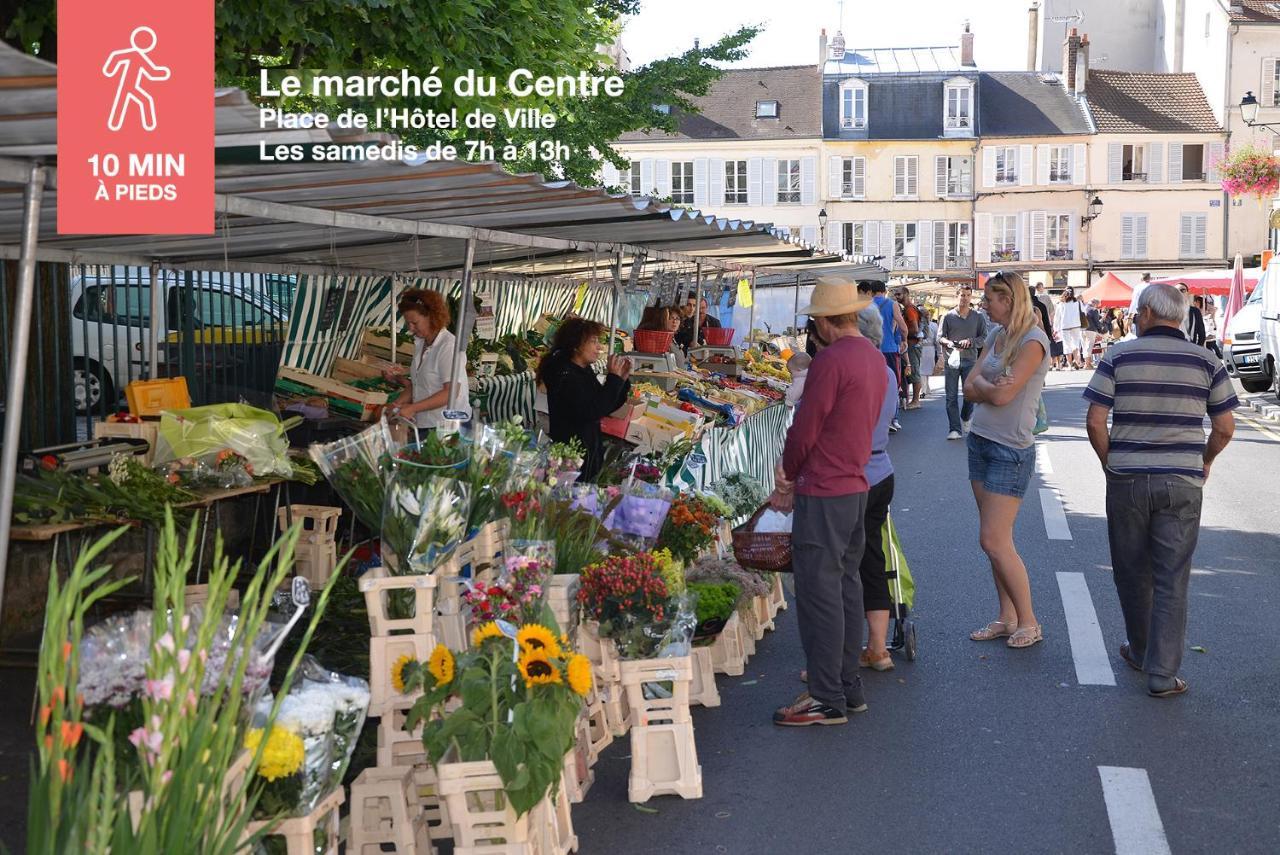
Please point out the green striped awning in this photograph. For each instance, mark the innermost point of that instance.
(752, 447)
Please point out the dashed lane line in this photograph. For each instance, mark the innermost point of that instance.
(1055, 516)
(1131, 808)
(1088, 650)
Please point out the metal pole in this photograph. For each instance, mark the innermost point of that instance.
(391, 324)
(158, 326)
(697, 305)
(795, 318)
(617, 299)
(466, 317)
(18, 361)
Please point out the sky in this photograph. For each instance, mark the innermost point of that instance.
(791, 27)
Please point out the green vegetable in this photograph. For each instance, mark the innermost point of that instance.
(716, 600)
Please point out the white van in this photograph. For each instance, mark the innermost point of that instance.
(1269, 333)
(1241, 344)
(111, 323)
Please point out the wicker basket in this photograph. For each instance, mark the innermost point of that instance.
(718, 336)
(766, 551)
(652, 341)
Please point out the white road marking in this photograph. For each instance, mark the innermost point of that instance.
(1088, 650)
(1131, 808)
(1055, 517)
(1043, 464)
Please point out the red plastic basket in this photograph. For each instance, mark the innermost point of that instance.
(652, 341)
(718, 336)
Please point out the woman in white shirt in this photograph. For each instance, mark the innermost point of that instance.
(429, 379)
(1069, 323)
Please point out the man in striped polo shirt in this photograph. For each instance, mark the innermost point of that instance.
(1158, 389)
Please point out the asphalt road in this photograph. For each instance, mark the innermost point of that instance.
(978, 748)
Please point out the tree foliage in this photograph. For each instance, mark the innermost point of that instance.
(493, 37)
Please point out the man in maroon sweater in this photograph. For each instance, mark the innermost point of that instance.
(821, 476)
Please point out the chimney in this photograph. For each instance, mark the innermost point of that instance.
(1033, 36)
(1237, 7)
(1082, 65)
(966, 47)
(837, 46)
(1070, 52)
(822, 50)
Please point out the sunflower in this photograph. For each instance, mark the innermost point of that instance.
(397, 672)
(282, 755)
(537, 638)
(441, 665)
(578, 671)
(484, 632)
(537, 669)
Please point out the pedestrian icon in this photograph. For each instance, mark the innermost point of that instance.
(134, 67)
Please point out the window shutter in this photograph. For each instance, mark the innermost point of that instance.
(716, 182)
(988, 167)
(1020, 236)
(1268, 87)
(1175, 163)
(835, 236)
(1039, 236)
(755, 195)
(808, 180)
(899, 176)
(1201, 238)
(924, 245)
(1079, 161)
(608, 175)
(700, 182)
(1213, 158)
(1042, 164)
(940, 176)
(939, 245)
(982, 238)
(770, 181)
(835, 177)
(1115, 163)
(647, 185)
(871, 237)
(1140, 236)
(662, 181)
(1155, 163)
(809, 234)
(1185, 229)
(1026, 165)
(859, 177)
(1073, 224)
(1126, 236)
(886, 240)
(913, 176)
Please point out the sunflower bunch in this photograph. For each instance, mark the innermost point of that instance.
(521, 691)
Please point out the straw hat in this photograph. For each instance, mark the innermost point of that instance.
(835, 295)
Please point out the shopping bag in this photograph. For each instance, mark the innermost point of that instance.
(1042, 418)
(896, 562)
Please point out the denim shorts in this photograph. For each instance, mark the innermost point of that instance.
(1001, 468)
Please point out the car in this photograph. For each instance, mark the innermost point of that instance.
(1242, 345)
(111, 329)
(1269, 333)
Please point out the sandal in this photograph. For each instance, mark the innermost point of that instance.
(883, 663)
(1179, 686)
(1025, 636)
(990, 631)
(1125, 650)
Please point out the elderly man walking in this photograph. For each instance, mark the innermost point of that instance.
(1158, 389)
(823, 474)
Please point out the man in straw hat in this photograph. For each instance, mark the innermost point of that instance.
(821, 475)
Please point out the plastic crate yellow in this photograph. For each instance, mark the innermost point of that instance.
(150, 397)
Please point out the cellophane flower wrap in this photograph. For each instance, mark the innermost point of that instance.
(690, 527)
(424, 520)
(640, 513)
(518, 595)
(358, 468)
(351, 706)
(1250, 170)
(628, 597)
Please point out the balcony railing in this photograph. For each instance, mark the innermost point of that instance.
(1005, 255)
(906, 262)
(1140, 177)
(954, 122)
(1060, 255)
(958, 262)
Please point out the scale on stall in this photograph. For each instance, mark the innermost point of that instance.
(717, 359)
(78, 456)
(652, 363)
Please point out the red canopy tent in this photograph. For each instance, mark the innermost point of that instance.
(1216, 282)
(1111, 292)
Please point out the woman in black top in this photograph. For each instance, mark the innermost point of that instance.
(1042, 313)
(576, 400)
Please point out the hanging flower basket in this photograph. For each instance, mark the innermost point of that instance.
(1250, 170)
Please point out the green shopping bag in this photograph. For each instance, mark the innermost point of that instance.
(257, 435)
(896, 562)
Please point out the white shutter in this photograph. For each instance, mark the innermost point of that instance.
(1186, 229)
(770, 181)
(871, 237)
(1026, 163)
(924, 245)
(982, 238)
(809, 234)
(1079, 160)
(662, 181)
(940, 176)
(913, 177)
(899, 176)
(988, 167)
(886, 240)
(699, 182)
(608, 175)
(1039, 237)
(1073, 225)
(835, 236)
(1115, 163)
(755, 196)
(1020, 238)
(1126, 236)
(1155, 163)
(808, 180)
(1175, 163)
(1140, 236)
(716, 182)
(1268, 98)
(939, 245)
(859, 177)
(835, 177)
(1042, 165)
(1213, 158)
(1200, 241)
(647, 185)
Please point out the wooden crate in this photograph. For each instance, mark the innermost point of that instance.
(598, 731)
(343, 399)
(556, 823)
(386, 811)
(148, 430)
(452, 614)
(578, 776)
(603, 654)
(346, 370)
(777, 598)
(748, 632)
(484, 822)
(198, 595)
(764, 614)
(664, 757)
(299, 832)
(397, 746)
(379, 347)
(377, 586)
(562, 597)
(702, 689)
(383, 653)
(727, 654)
(319, 522)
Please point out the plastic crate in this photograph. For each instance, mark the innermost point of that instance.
(150, 397)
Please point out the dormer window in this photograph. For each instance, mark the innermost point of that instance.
(766, 109)
(664, 109)
(958, 118)
(853, 105)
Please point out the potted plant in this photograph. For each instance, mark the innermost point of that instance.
(1250, 170)
(716, 603)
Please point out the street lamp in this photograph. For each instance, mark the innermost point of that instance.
(822, 226)
(1249, 112)
(1095, 211)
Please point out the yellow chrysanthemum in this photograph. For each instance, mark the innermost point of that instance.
(484, 632)
(282, 755)
(578, 671)
(536, 637)
(397, 672)
(441, 665)
(537, 669)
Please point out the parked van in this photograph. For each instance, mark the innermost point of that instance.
(1242, 345)
(1270, 330)
(111, 329)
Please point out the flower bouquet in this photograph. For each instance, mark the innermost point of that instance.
(523, 509)
(424, 520)
(358, 468)
(564, 461)
(517, 596)
(740, 492)
(1250, 170)
(638, 518)
(627, 596)
(350, 696)
(690, 527)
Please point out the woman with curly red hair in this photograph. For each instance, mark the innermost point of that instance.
(429, 377)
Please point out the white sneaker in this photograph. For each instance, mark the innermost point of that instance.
(964, 426)
(955, 434)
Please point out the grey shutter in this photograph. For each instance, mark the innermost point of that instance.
(648, 187)
(770, 172)
(1175, 163)
(700, 182)
(982, 238)
(1039, 236)
(662, 181)
(1026, 165)
(716, 176)
(1212, 159)
(1115, 163)
(859, 177)
(1186, 229)
(1155, 163)
(924, 245)
(1140, 236)
(939, 245)
(940, 176)
(1079, 163)
(1042, 164)
(808, 180)
(835, 177)
(1268, 88)
(988, 167)
(755, 195)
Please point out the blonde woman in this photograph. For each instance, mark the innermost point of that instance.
(1006, 384)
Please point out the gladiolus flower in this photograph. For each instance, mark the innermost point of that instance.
(66, 651)
(159, 690)
(71, 733)
(166, 642)
(184, 659)
(64, 769)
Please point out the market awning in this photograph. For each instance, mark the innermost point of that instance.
(1110, 291)
(1216, 281)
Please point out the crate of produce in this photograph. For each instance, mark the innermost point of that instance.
(344, 399)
